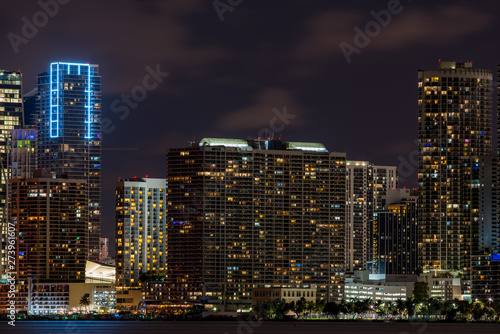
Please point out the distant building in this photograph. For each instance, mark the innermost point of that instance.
(386, 288)
(258, 212)
(103, 248)
(395, 235)
(367, 185)
(69, 133)
(51, 216)
(141, 229)
(486, 277)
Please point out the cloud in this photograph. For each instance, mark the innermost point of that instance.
(323, 33)
(260, 113)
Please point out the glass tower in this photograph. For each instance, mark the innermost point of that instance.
(11, 112)
(69, 132)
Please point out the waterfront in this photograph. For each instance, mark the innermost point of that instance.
(230, 327)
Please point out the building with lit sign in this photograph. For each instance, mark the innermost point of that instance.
(69, 132)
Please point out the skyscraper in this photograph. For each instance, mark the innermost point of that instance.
(141, 229)
(51, 217)
(366, 187)
(454, 132)
(11, 113)
(244, 214)
(69, 132)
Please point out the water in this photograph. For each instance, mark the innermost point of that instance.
(234, 327)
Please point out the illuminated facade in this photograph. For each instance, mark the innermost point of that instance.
(247, 214)
(486, 277)
(51, 218)
(366, 187)
(141, 229)
(69, 132)
(395, 236)
(11, 113)
(454, 133)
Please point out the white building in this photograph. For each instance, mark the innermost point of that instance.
(141, 229)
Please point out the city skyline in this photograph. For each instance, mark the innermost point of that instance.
(220, 72)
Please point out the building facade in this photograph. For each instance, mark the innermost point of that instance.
(395, 235)
(69, 132)
(454, 133)
(141, 229)
(367, 185)
(247, 213)
(23, 153)
(51, 217)
(11, 113)
(486, 277)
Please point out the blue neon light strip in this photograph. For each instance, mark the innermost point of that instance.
(55, 91)
(89, 105)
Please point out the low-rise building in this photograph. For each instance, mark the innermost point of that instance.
(287, 294)
(442, 285)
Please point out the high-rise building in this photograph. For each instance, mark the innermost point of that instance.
(488, 199)
(51, 218)
(69, 132)
(366, 187)
(103, 248)
(395, 236)
(454, 133)
(11, 113)
(141, 229)
(247, 214)
(23, 153)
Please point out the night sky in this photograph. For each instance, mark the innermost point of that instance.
(226, 77)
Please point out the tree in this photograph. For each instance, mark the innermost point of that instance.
(332, 309)
(85, 300)
(400, 307)
(310, 307)
(300, 307)
(281, 308)
(420, 292)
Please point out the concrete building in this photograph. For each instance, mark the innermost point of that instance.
(454, 134)
(367, 185)
(247, 213)
(141, 229)
(69, 133)
(11, 113)
(395, 235)
(51, 216)
(486, 277)
(287, 294)
(387, 288)
(442, 285)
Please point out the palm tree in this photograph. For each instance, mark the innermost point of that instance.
(84, 301)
